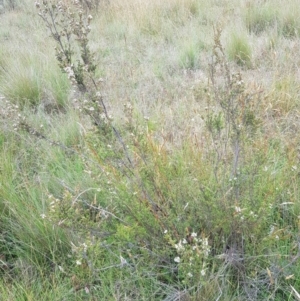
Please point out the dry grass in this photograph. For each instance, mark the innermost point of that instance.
(152, 56)
(155, 56)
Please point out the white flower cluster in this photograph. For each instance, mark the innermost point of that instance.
(80, 252)
(199, 245)
(192, 253)
(205, 247)
(70, 72)
(53, 202)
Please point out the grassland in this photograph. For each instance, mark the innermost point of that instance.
(174, 176)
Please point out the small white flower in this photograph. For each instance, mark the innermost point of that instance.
(194, 234)
(78, 262)
(84, 247)
(184, 241)
(43, 216)
(74, 248)
(205, 247)
(238, 209)
(123, 261)
(177, 259)
(166, 231)
(203, 272)
(91, 109)
(190, 275)
(61, 268)
(179, 247)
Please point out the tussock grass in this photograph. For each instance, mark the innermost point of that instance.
(289, 23)
(260, 17)
(29, 81)
(239, 49)
(189, 56)
(27, 76)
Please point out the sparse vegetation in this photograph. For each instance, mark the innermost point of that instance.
(269, 15)
(142, 158)
(260, 17)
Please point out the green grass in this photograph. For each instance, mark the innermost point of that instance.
(239, 49)
(22, 87)
(26, 83)
(190, 191)
(189, 57)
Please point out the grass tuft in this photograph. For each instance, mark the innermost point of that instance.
(261, 17)
(239, 49)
